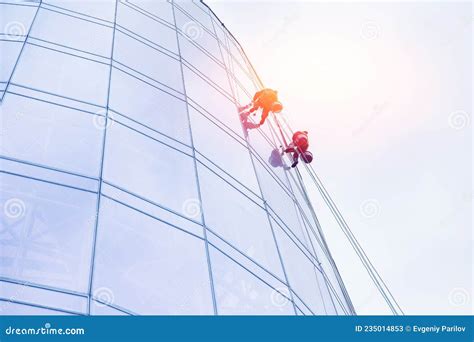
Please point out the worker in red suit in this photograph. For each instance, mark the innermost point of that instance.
(299, 147)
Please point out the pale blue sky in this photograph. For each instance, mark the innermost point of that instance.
(385, 91)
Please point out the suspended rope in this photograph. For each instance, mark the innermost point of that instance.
(378, 281)
(322, 244)
(319, 237)
(325, 247)
(281, 132)
(236, 101)
(373, 273)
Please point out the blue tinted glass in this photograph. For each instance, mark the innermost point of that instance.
(238, 292)
(157, 9)
(233, 159)
(149, 105)
(82, 34)
(46, 233)
(136, 21)
(239, 220)
(11, 308)
(63, 74)
(131, 162)
(48, 134)
(303, 279)
(99, 9)
(148, 61)
(149, 267)
(131, 107)
(27, 293)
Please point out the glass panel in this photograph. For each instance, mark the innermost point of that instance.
(148, 61)
(185, 223)
(321, 255)
(299, 193)
(81, 34)
(51, 135)
(149, 106)
(231, 79)
(9, 52)
(331, 277)
(238, 292)
(234, 158)
(150, 169)
(246, 261)
(303, 309)
(240, 221)
(263, 145)
(244, 97)
(239, 61)
(158, 8)
(47, 174)
(194, 29)
(280, 201)
(220, 34)
(245, 81)
(43, 297)
(301, 273)
(330, 304)
(203, 7)
(212, 100)
(40, 95)
(197, 13)
(13, 309)
(134, 19)
(63, 74)
(204, 63)
(15, 20)
(46, 233)
(308, 224)
(149, 267)
(102, 9)
(100, 309)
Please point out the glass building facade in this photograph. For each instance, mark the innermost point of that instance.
(127, 184)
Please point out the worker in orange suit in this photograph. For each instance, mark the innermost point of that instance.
(265, 99)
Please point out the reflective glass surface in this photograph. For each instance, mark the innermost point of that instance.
(127, 183)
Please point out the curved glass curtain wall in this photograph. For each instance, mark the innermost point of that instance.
(118, 121)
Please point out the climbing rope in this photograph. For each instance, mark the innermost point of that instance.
(371, 270)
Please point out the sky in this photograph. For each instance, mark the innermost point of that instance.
(385, 91)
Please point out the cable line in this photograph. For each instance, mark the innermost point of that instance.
(371, 270)
(373, 273)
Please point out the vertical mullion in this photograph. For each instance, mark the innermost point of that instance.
(104, 140)
(206, 242)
